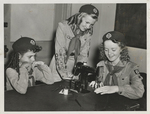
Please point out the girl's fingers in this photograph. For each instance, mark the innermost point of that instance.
(95, 85)
(98, 86)
(92, 83)
(98, 90)
(38, 63)
(101, 84)
(103, 93)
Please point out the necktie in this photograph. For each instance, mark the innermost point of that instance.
(111, 78)
(74, 44)
(31, 81)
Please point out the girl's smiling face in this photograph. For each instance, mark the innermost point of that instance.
(87, 22)
(112, 51)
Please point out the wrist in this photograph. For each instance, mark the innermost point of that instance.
(116, 88)
(23, 70)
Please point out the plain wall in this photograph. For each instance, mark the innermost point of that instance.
(139, 56)
(60, 13)
(47, 46)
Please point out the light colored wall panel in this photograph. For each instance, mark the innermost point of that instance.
(32, 20)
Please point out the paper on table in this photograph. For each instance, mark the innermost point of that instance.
(62, 91)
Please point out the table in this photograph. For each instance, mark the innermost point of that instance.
(47, 98)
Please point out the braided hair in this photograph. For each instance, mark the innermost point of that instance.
(14, 61)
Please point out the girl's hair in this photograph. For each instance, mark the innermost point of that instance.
(75, 20)
(14, 61)
(124, 53)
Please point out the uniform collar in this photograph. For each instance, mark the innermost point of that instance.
(120, 63)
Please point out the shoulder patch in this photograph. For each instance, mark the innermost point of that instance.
(136, 71)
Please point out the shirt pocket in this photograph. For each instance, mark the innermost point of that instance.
(124, 80)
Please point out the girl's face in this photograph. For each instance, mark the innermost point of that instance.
(28, 57)
(87, 22)
(112, 51)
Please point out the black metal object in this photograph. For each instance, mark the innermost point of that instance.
(82, 71)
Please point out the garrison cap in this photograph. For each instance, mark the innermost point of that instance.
(115, 36)
(24, 44)
(89, 9)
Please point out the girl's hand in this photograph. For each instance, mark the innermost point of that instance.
(107, 90)
(101, 84)
(75, 77)
(27, 66)
(37, 63)
(94, 84)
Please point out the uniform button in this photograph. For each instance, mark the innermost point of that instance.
(122, 78)
(68, 37)
(120, 92)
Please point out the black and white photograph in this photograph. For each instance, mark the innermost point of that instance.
(74, 56)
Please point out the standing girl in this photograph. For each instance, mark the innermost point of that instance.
(72, 41)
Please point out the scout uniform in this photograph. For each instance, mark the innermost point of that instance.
(63, 37)
(41, 73)
(22, 80)
(125, 74)
(65, 57)
(128, 78)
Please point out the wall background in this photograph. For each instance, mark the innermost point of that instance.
(62, 11)
(32, 20)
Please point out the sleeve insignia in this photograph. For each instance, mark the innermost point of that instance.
(136, 71)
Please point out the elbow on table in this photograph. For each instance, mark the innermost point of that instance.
(49, 82)
(140, 92)
(22, 91)
(138, 95)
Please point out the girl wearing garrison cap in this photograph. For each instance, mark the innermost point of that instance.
(72, 41)
(117, 74)
(22, 70)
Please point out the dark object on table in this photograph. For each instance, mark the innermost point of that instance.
(82, 71)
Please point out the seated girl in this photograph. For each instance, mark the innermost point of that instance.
(117, 74)
(23, 70)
